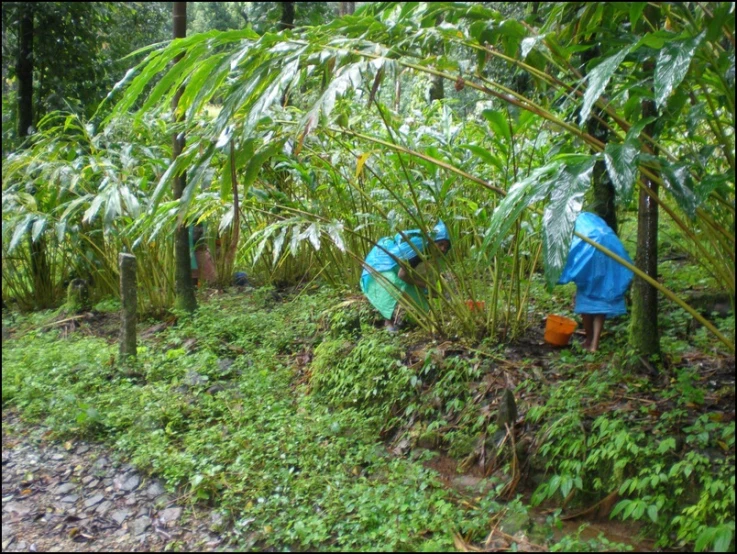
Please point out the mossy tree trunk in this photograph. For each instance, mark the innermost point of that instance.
(644, 332)
(184, 286)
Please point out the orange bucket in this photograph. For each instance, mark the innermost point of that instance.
(558, 330)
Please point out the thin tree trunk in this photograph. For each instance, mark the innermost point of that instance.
(24, 70)
(644, 333)
(287, 16)
(183, 284)
(437, 90)
(40, 270)
(346, 8)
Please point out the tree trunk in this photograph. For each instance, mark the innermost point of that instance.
(287, 16)
(437, 90)
(24, 70)
(644, 333)
(183, 284)
(346, 8)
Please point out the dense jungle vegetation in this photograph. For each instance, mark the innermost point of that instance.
(295, 135)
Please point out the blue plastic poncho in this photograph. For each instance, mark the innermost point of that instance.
(382, 285)
(389, 251)
(601, 282)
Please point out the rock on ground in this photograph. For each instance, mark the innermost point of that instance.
(73, 497)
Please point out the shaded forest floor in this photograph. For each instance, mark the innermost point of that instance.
(287, 420)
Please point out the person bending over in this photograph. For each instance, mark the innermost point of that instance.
(388, 271)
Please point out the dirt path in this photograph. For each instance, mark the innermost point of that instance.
(75, 497)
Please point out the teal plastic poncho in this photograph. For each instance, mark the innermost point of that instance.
(601, 282)
(379, 279)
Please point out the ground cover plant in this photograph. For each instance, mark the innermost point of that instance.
(293, 146)
(321, 431)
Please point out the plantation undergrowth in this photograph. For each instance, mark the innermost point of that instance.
(309, 428)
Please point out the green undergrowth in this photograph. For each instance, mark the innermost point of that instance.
(283, 412)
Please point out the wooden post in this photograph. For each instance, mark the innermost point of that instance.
(129, 302)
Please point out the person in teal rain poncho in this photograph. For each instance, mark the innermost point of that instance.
(388, 276)
(601, 282)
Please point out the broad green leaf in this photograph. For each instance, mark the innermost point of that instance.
(257, 161)
(679, 183)
(522, 194)
(61, 229)
(485, 155)
(652, 512)
(723, 538)
(705, 537)
(566, 484)
(498, 123)
(598, 79)
(619, 507)
(636, 9)
(171, 81)
(91, 212)
(226, 220)
(621, 164)
(656, 40)
(673, 62)
(20, 231)
(313, 233)
(278, 243)
(38, 227)
(334, 233)
(566, 201)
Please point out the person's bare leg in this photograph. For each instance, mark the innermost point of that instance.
(588, 327)
(598, 327)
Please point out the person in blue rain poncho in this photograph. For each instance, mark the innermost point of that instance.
(388, 276)
(601, 282)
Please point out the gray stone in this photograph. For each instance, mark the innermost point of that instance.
(82, 449)
(216, 521)
(103, 508)
(94, 500)
(120, 516)
(155, 489)
(140, 525)
(7, 531)
(507, 410)
(193, 378)
(65, 488)
(92, 484)
(86, 479)
(131, 501)
(170, 515)
(70, 499)
(100, 463)
(131, 482)
(57, 457)
(515, 522)
(224, 365)
(162, 501)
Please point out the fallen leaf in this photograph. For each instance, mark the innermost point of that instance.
(68, 445)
